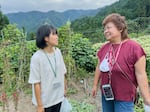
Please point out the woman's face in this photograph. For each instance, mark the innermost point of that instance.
(52, 40)
(111, 32)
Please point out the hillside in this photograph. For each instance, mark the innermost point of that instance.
(31, 20)
(138, 11)
(131, 9)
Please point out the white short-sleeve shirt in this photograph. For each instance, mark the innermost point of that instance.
(52, 88)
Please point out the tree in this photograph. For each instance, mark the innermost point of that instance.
(83, 53)
(65, 44)
(3, 21)
(13, 62)
(11, 34)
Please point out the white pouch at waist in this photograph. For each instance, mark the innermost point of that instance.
(65, 106)
(146, 108)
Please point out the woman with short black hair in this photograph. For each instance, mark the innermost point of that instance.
(47, 70)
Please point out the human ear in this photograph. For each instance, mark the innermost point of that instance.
(46, 39)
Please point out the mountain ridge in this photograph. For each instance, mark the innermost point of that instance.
(33, 19)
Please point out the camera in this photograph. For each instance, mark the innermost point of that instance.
(108, 93)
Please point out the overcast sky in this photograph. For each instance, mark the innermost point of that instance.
(9, 6)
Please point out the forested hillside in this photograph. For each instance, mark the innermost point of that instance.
(141, 8)
(137, 12)
(32, 20)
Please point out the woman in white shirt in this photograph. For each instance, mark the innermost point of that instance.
(47, 70)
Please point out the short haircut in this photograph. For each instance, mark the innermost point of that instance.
(43, 32)
(119, 22)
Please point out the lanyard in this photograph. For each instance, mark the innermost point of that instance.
(54, 71)
(111, 61)
(112, 55)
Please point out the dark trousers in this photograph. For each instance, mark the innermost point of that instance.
(54, 108)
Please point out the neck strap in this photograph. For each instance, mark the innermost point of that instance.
(111, 64)
(54, 71)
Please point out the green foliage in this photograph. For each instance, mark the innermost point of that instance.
(94, 35)
(136, 11)
(143, 22)
(90, 28)
(79, 56)
(15, 54)
(31, 36)
(65, 44)
(71, 91)
(81, 106)
(139, 107)
(147, 30)
(133, 27)
(65, 38)
(11, 34)
(139, 25)
(130, 9)
(3, 21)
(83, 53)
(31, 48)
(14, 62)
(81, 73)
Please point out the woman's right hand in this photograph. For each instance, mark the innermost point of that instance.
(40, 109)
(94, 91)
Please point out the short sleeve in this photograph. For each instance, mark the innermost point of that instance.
(34, 76)
(103, 50)
(138, 53)
(98, 53)
(63, 70)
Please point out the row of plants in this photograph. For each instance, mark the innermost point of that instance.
(15, 54)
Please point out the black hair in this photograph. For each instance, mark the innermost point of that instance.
(43, 32)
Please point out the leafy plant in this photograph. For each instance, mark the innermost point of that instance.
(81, 106)
(12, 63)
(139, 107)
(83, 53)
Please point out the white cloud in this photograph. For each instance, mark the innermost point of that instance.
(8, 6)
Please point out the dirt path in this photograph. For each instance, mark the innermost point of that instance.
(25, 105)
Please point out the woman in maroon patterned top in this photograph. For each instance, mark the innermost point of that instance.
(121, 68)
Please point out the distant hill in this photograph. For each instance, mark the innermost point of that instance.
(32, 20)
(131, 9)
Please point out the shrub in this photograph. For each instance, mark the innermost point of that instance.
(83, 53)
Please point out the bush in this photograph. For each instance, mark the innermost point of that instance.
(81, 106)
(84, 54)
